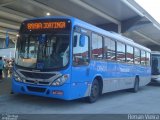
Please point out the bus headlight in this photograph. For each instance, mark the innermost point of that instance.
(60, 81)
(16, 77)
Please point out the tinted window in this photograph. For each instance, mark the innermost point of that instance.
(120, 52)
(136, 56)
(80, 52)
(155, 64)
(109, 49)
(143, 57)
(129, 54)
(97, 52)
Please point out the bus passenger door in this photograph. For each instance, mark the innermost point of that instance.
(80, 69)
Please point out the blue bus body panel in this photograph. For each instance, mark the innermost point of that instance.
(78, 86)
(117, 70)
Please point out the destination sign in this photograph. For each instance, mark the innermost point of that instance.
(46, 25)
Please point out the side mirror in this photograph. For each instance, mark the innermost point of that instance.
(82, 41)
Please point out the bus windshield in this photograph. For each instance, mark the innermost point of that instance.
(155, 64)
(42, 51)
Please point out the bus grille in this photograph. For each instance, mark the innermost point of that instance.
(37, 75)
(37, 82)
(36, 89)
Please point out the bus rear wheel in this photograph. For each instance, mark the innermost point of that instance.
(95, 92)
(136, 85)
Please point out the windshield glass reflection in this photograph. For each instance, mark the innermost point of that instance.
(43, 51)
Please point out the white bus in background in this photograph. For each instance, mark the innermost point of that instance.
(7, 53)
(155, 66)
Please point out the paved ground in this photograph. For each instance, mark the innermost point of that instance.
(5, 86)
(121, 102)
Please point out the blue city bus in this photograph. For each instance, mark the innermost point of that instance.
(66, 58)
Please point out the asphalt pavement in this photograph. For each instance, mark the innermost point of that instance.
(146, 101)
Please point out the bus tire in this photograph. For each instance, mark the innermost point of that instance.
(136, 85)
(95, 92)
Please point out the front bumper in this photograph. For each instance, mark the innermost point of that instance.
(70, 92)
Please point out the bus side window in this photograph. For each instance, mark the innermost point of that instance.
(129, 54)
(120, 52)
(80, 49)
(137, 56)
(109, 49)
(97, 49)
(143, 57)
(148, 58)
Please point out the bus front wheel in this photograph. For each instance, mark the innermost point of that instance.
(95, 91)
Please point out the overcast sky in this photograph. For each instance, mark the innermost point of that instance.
(152, 7)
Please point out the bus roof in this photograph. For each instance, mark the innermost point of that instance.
(91, 27)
